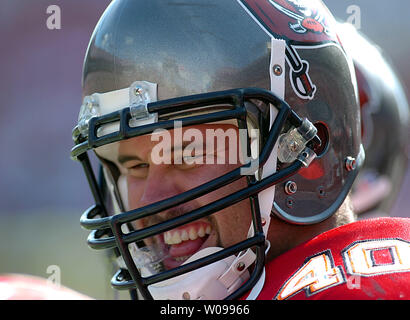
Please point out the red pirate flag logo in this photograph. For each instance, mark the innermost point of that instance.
(308, 19)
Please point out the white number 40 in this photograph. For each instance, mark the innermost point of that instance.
(362, 258)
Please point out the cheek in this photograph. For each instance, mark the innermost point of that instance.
(135, 190)
(233, 222)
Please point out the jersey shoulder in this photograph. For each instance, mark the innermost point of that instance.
(368, 259)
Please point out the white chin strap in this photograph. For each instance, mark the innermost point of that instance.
(212, 282)
(266, 197)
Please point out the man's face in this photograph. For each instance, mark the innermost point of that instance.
(149, 180)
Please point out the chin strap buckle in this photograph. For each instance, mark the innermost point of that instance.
(234, 276)
(292, 144)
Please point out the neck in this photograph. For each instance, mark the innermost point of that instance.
(284, 236)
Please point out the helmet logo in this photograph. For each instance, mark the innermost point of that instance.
(297, 22)
(293, 20)
(299, 74)
(308, 20)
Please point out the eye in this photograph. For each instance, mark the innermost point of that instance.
(140, 166)
(194, 158)
(138, 170)
(192, 161)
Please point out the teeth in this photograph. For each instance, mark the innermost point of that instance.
(201, 232)
(177, 236)
(192, 234)
(184, 235)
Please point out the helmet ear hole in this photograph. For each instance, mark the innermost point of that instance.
(323, 134)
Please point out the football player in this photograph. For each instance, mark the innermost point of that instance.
(228, 136)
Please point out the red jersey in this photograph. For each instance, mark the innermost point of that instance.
(365, 260)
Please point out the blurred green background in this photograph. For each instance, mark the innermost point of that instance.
(32, 242)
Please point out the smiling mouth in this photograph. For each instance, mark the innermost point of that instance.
(181, 243)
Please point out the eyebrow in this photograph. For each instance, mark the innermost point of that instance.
(124, 158)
